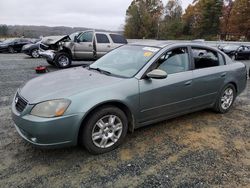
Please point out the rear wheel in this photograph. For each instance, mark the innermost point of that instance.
(104, 130)
(11, 50)
(63, 60)
(226, 99)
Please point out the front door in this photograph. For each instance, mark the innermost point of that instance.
(161, 98)
(83, 48)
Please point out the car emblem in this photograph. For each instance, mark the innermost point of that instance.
(16, 100)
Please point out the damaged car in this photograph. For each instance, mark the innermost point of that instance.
(87, 45)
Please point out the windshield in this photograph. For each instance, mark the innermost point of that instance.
(73, 35)
(8, 41)
(125, 61)
(231, 47)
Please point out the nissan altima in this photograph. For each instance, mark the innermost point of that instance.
(130, 87)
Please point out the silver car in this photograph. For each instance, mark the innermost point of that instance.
(130, 87)
(87, 45)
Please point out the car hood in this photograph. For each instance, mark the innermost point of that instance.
(27, 45)
(63, 84)
(54, 39)
(4, 44)
(227, 51)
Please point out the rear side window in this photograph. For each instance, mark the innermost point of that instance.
(102, 38)
(118, 39)
(204, 58)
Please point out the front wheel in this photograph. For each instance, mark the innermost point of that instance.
(104, 130)
(62, 60)
(35, 53)
(226, 99)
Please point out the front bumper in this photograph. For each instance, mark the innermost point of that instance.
(26, 51)
(47, 132)
(48, 54)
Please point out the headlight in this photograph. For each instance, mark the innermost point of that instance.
(53, 108)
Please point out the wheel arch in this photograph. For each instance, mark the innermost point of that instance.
(67, 50)
(234, 84)
(118, 104)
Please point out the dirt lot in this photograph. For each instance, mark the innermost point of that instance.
(202, 149)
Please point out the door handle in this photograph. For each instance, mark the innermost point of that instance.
(108, 46)
(90, 45)
(223, 74)
(188, 83)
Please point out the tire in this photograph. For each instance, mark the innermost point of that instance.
(113, 133)
(224, 107)
(50, 62)
(63, 60)
(34, 53)
(11, 50)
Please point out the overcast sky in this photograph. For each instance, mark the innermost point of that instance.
(99, 14)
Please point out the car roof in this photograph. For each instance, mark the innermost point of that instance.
(102, 32)
(163, 44)
(153, 43)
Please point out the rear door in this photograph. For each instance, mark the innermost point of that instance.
(83, 48)
(103, 44)
(208, 75)
(17, 45)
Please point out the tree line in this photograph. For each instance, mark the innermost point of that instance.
(208, 19)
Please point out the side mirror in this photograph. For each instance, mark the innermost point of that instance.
(157, 74)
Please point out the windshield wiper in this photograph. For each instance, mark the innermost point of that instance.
(100, 70)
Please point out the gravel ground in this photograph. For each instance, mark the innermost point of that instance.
(201, 149)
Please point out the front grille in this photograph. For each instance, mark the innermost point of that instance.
(20, 103)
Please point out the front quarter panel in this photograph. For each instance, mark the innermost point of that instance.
(125, 92)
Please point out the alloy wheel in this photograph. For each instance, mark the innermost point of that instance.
(107, 131)
(35, 53)
(63, 61)
(227, 98)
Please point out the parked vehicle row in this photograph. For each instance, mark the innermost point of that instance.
(236, 52)
(86, 45)
(14, 45)
(132, 86)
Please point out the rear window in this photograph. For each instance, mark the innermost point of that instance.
(118, 39)
(102, 38)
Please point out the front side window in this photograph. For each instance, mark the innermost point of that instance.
(86, 37)
(102, 38)
(205, 58)
(174, 61)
